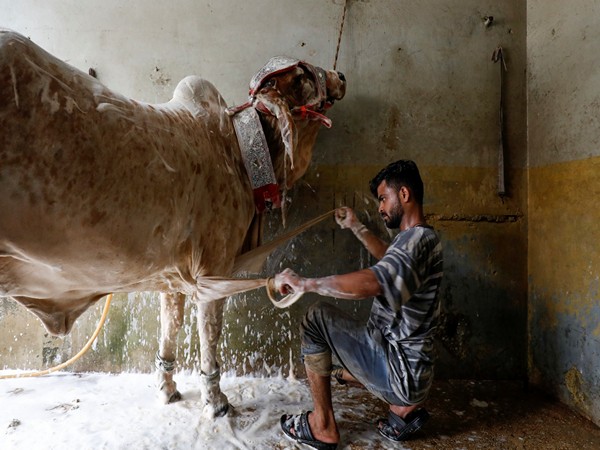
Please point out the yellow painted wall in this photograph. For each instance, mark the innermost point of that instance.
(564, 282)
(563, 97)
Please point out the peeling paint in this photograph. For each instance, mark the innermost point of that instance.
(490, 218)
(573, 384)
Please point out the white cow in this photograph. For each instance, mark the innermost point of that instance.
(100, 193)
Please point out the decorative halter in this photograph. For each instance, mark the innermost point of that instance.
(251, 137)
(257, 160)
(281, 64)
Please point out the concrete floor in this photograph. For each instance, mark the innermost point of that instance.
(476, 415)
(36, 412)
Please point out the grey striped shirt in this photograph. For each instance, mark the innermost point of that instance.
(410, 274)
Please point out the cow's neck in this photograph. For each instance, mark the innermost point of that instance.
(306, 134)
(257, 159)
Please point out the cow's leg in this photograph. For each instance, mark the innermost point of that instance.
(171, 320)
(210, 320)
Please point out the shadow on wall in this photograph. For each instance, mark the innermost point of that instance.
(482, 333)
(565, 359)
(483, 327)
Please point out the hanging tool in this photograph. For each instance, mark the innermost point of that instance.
(498, 56)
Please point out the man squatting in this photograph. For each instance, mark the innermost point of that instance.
(392, 355)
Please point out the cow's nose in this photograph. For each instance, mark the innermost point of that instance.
(341, 76)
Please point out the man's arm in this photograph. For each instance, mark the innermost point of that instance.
(352, 286)
(346, 218)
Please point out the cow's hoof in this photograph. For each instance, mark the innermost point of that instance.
(168, 392)
(216, 403)
(215, 411)
(223, 411)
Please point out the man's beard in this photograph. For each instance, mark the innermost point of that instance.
(394, 219)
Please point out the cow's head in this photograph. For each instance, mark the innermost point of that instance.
(293, 97)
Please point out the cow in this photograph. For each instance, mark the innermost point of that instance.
(100, 193)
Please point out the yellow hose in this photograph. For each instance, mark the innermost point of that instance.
(268, 283)
(241, 285)
(74, 358)
(245, 285)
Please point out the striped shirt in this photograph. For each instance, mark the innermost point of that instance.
(407, 311)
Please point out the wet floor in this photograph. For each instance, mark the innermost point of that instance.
(479, 415)
(108, 411)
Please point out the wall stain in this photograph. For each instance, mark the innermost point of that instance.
(453, 332)
(50, 351)
(573, 384)
(159, 78)
(390, 139)
(490, 218)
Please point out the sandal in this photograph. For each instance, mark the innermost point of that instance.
(302, 433)
(395, 428)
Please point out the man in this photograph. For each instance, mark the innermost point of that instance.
(392, 355)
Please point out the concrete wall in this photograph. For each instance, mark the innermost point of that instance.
(421, 85)
(564, 193)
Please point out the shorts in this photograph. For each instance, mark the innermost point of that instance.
(363, 352)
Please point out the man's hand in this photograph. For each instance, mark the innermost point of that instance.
(353, 286)
(288, 282)
(346, 218)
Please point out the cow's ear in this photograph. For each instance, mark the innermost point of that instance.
(271, 99)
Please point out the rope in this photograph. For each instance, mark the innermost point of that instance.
(241, 285)
(337, 50)
(213, 288)
(286, 301)
(247, 262)
(74, 358)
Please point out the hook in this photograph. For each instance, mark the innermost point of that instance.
(487, 20)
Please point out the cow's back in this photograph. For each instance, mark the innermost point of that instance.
(104, 193)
